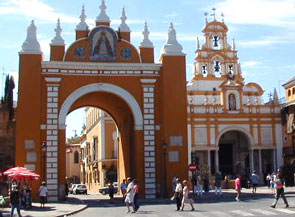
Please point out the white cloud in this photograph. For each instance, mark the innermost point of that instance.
(172, 15)
(250, 63)
(34, 9)
(266, 12)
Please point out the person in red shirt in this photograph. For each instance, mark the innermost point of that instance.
(136, 193)
(238, 187)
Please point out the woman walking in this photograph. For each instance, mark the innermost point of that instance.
(279, 185)
(238, 187)
(186, 196)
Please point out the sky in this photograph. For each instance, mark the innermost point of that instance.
(264, 32)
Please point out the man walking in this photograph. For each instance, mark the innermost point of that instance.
(254, 181)
(218, 189)
(177, 193)
(129, 200)
(279, 186)
(14, 200)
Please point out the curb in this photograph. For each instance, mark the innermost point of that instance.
(74, 212)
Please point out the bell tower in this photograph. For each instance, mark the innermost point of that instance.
(216, 58)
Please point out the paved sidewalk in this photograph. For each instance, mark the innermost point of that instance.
(71, 206)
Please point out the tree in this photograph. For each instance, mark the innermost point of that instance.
(74, 140)
(9, 99)
(6, 88)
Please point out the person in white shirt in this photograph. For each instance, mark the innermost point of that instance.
(178, 193)
(129, 199)
(43, 191)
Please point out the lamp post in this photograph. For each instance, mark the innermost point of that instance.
(164, 146)
(44, 149)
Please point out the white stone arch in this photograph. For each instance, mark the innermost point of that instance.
(235, 128)
(101, 87)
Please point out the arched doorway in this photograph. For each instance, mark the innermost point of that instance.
(126, 113)
(234, 153)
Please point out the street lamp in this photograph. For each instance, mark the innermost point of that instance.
(44, 149)
(164, 146)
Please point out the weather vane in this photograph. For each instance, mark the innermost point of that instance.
(222, 15)
(206, 14)
(213, 9)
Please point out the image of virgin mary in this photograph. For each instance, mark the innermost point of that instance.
(103, 46)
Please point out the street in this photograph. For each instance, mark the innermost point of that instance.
(224, 206)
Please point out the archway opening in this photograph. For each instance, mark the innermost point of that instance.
(92, 148)
(122, 161)
(234, 157)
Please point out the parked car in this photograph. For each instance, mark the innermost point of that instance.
(72, 188)
(105, 190)
(80, 189)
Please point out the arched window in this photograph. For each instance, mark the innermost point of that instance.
(76, 157)
(293, 90)
(232, 105)
(289, 92)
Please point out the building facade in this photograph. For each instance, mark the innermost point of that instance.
(103, 69)
(288, 122)
(230, 129)
(99, 150)
(73, 163)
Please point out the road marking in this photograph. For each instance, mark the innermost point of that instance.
(285, 211)
(197, 214)
(243, 213)
(221, 214)
(264, 212)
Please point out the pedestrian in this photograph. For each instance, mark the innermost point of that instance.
(136, 194)
(174, 182)
(14, 200)
(186, 196)
(238, 187)
(194, 184)
(218, 189)
(199, 185)
(123, 188)
(43, 192)
(254, 181)
(129, 199)
(111, 191)
(226, 182)
(279, 187)
(268, 179)
(206, 184)
(66, 190)
(177, 193)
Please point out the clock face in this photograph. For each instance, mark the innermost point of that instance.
(80, 52)
(126, 53)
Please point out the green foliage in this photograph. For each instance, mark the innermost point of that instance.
(74, 140)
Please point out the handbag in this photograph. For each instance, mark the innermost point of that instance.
(173, 197)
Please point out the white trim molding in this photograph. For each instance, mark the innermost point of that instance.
(103, 87)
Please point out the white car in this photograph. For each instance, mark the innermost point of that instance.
(71, 190)
(80, 189)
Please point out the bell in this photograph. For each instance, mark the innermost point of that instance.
(215, 39)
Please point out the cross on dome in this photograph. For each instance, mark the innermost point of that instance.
(123, 26)
(146, 41)
(206, 17)
(31, 44)
(82, 25)
(102, 17)
(58, 40)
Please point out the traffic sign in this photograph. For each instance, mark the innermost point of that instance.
(192, 167)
